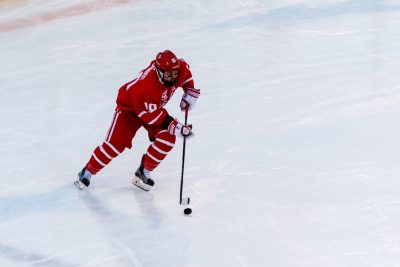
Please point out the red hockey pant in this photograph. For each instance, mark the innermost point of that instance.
(123, 128)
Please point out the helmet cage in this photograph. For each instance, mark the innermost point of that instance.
(168, 67)
(167, 77)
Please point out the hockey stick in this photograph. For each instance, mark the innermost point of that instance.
(186, 200)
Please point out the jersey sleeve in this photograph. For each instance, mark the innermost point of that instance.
(149, 111)
(187, 81)
(155, 117)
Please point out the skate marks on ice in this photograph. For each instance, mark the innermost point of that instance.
(63, 13)
(15, 207)
(133, 238)
(108, 218)
(114, 226)
(298, 12)
(15, 213)
(30, 258)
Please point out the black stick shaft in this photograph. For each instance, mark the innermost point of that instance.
(183, 156)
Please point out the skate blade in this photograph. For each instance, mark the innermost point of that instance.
(139, 183)
(79, 185)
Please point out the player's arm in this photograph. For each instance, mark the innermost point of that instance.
(151, 114)
(191, 94)
(173, 126)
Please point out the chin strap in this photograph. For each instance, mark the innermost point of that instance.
(159, 75)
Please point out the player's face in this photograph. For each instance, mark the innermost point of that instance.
(170, 76)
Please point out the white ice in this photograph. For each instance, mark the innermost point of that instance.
(295, 162)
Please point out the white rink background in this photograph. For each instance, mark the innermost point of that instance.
(295, 162)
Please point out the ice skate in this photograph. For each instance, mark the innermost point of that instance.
(83, 179)
(142, 179)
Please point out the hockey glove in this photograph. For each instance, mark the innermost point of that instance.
(189, 98)
(178, 129)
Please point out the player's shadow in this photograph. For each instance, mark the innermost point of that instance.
(142, 200)
(131, 231)
(44, 202)
(145, 202)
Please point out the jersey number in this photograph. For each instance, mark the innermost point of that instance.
(150, 107)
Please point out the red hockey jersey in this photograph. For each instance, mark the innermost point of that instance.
(146, 95)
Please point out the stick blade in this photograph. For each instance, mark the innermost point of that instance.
(185, 201)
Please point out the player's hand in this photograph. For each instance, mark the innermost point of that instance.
(178, 129)
(189, 98)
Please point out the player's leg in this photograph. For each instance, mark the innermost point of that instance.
(158, 150)
(119, 136)
(155, 154)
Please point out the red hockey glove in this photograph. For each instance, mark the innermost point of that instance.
(189, 98)
(178, 129)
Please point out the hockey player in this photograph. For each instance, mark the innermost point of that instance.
(140, 103)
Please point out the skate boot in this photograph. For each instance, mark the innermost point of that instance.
(142, 178)
(83, 179)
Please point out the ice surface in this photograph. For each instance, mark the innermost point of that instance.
(295, 159)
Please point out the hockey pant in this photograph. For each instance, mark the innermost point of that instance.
(123, 128)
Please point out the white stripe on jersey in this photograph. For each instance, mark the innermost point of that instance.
(165, 142)
(156, 118)
(113, 126)
(99, 161)
(188, 80)
(154, 158)
(113, 148)
(159, 150)
(104, 152)
(142, 113)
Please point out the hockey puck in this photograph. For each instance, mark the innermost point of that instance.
(187, 211)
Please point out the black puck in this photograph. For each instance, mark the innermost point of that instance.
(187, 211)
